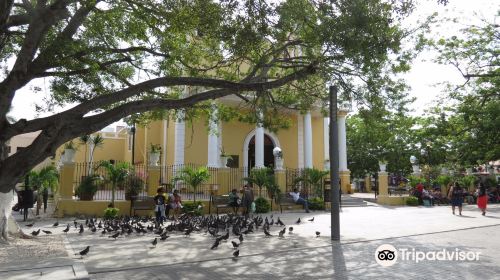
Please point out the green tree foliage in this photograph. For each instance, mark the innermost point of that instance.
(111, 59)
(116, 174)
(313, 177)
(473, 124)
(193, 177)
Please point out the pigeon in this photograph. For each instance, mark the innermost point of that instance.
(318, 233)
(236, 253)
(311, 220)
(114, 235)
(290, 229)
(81, 229)
(66, 229)
(47, 231)
(282, 232)
(35, 232)
(241, 238)
(75, 223)
(84, 251)
(55, 224)
(267, 233)
(298, 221)
(280, 223)
(164, 237)
(30, 225)
(216, 244)
(235, 245)
(93, 229)
(155, 242)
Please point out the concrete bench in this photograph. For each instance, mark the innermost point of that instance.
(221, 201)
(286, 201)
(146, 203)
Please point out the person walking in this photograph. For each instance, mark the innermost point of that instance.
(247, 198)
(456, 197)
(482, 198)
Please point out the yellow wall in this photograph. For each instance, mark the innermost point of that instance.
(289, 144)
(318, 145)
(196, 142)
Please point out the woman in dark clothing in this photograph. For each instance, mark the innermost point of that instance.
(482, 198)
(457, 198)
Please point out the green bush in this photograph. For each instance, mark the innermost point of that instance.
(316, 203)
(262, 205)
(412, 201)
(111, 213)
(192, 207)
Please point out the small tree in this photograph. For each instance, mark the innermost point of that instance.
(96, 141)
(117, 173)
(45, 178)
(313, 177)
(260, 177)
(193, 177)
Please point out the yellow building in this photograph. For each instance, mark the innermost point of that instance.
(202, 142)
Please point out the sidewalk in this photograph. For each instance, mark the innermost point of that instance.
(359, 225)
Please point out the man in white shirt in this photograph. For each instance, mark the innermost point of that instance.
(299, 200)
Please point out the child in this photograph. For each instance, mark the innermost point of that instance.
(175, 203)
(160, 206)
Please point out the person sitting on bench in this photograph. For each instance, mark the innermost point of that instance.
(234, 200)
(299, 200)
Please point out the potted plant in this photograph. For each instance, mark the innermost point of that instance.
(154, 154)
(193, 177)
(224, 158)
(87, 188)
(69, 152)
(134, 186)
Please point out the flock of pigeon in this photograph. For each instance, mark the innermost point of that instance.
(218, 227)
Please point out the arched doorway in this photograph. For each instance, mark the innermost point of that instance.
(268, 152)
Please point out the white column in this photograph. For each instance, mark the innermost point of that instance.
(259, 146)
(180, 134)
(213, 140)
(342, 142)
(326, 139)
(300, 140)
(308, 163)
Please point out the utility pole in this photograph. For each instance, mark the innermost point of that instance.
(334, 166)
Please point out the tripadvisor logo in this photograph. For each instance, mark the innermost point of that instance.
(387, 255)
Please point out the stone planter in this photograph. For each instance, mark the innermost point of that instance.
(279, 163)
(153, 159)
(224, 160)
(382, 166)
(69, 156)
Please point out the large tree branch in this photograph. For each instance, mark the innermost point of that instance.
(103, 101)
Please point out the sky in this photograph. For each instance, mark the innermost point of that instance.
(424, 77)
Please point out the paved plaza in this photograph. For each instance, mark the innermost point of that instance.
(298, 255)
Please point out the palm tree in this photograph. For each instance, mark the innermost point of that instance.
(47, 177)
(95, 142)
(313, 177)
(117, 173)
(260, 177)
(193, 177)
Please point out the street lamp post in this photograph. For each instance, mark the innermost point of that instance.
(334, 166)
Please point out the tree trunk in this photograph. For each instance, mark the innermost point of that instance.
(7, 223)
(113, 189)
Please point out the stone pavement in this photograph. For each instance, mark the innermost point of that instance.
(299, 254)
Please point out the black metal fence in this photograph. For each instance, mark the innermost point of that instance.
(136, 175)
(307, 189)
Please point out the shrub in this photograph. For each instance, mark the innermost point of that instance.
(193, 207)
(412, 201)
(316, 203)
(262, 205)
(111, 213)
